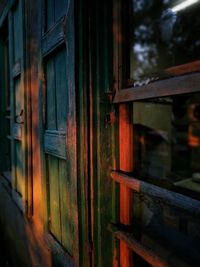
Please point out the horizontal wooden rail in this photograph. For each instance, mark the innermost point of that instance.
(172, 198)
(177, 85)
(146, 253)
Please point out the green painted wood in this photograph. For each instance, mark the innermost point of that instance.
(101, 82)
(50, 91)
(66, 208)
(50, 13)
(53, 175)
(55, 144)
(60, 8)
(82, 133)
(53, 38)
(19, 175)
(71, 132)
(61, 90)
(19, 99)
(17, 33)
(17, 111)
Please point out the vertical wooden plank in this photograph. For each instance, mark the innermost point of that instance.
(17, 33)
(12, 95)
(19, 168)
(51, 98)
(54, 204)
(65, 207)
(61, 90)
(50, 16)
(126, 164)
(71, 133)
(60, 8)
(19, 99)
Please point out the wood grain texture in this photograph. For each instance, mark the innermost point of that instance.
(61, 90)
(126, 164)
(144, 252)
(54, 192)
(53, 38)
(55, 144)
(50, 95)
(185, 203)
(178, 85)
(66, 208)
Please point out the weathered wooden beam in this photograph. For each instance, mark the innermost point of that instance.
(185, 203)
(55, 144)
(147, 254)
(178, 85)
(53, 38)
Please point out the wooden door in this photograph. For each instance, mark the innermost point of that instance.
(17, 107)
(59, 123)
(5, 134)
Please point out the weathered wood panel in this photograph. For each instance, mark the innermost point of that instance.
(20, 182)
(55, 144)
(66, 207)
(19, 97)
(17, 32)
(61, 90)
(51, 95)
(60, 8)
(53, 38)
(50, 16)
(54, 196)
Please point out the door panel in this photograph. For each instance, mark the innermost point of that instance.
(59, 126)
(53, 175)
(17, 96)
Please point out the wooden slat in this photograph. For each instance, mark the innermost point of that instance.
(51, 95)
(126, 164)
(174, 199)
(53, 38)
(147, 254)
(65, 207)
(183, 69)
(61, 90)
(55, 224)
(55, 144)
(173, 86)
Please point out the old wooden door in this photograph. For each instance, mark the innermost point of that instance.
(59, 132)
(17, 103)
